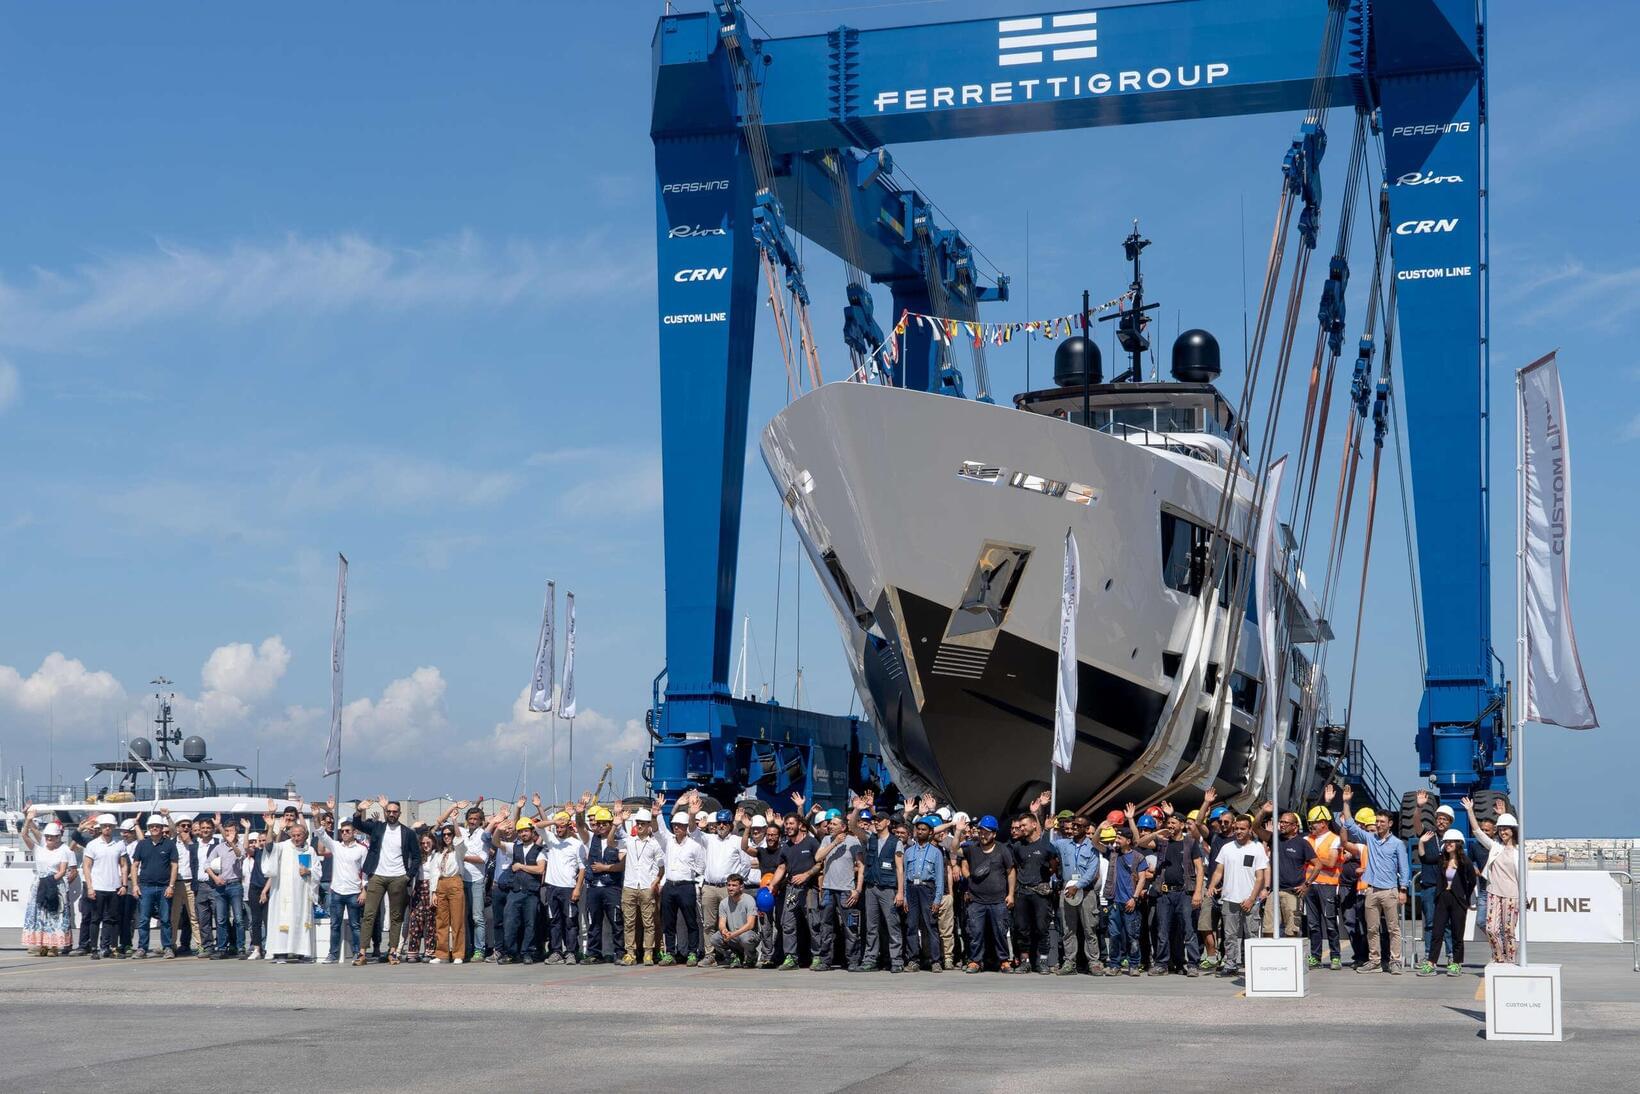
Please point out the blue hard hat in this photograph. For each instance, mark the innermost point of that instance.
(866, 814)
(832, 814)
(724, 816)
(1218, 811)
(1147, 824)
(930, 819)
(988, 822)
(765, 901)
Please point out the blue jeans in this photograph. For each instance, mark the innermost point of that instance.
(227, 900)
(153, 901)
(1173, 912)
(353, 907)
(475, 912)
(1123, 928)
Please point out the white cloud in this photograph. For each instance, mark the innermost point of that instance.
(1552, 291)
(63, 694)
(603, 738)
(409, 715)
(245, 672)
(10, 385)
(618, 489)
(245, 281)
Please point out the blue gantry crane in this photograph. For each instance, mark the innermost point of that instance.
(755, 137)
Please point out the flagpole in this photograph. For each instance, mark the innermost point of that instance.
(572, 757)
(1522, 865)
(554, 752)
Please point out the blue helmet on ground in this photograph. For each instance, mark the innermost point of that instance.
(1147, 823)
(765, 901)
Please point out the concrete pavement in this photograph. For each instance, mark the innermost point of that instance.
(189, 1025)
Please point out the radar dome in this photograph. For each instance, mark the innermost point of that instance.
(141, 748)
(193, 749)
(1196, 357)
(1076, 362)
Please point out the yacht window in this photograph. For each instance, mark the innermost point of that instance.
(979, 472)
(1184, 554)
(990, 589)
(1243, 691)
(1081, 495)
(1051, 487)
(1178, 419)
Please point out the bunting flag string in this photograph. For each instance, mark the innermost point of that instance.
(946, 331)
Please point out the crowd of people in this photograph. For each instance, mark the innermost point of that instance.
(915, 887)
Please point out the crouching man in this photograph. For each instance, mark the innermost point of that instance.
(739, 929)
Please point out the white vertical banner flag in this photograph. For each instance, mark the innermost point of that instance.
(541, 682)
(338, 649)
(1265, 592)
(1556, 692)
(566, 694)
(1064, 707)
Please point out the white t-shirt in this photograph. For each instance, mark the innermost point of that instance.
(46, 861)
(1241, 866)
(346, 866)
(391, 861)
(565, 857)
(107, 863)
(477, 841)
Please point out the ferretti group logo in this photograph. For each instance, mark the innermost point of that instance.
(1031, 41)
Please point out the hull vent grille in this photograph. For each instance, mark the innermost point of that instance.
(960, 661)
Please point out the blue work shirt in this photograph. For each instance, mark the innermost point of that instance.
(925, 862)
(1078, 862)
(1387, 863)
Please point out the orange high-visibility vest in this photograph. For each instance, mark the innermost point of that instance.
(1326, 858)
(1361, 879)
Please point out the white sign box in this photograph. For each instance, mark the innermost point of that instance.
(15, 885)
(1574, 906)
(1523, 1003)
(1275, 968)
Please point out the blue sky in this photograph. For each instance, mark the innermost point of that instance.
(379, 278)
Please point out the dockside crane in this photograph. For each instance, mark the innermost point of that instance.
(794, 132)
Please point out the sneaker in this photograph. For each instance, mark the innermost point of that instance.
(1313, 962)
(1158, 970)
(1210, 963)
(280, 960)
(503, 960)
(170, 955)
(819, 966)
(1365, 968)
(973, 967)
(204, 955)
(327, 960)
(734, 962)
(692, 961)
(94, 955)
(649, 959)
(1454, 969)
(667, 959)
(1113, 970)
(1004, 966)
(1191, 970)
(455, 961)
(708, 961)
(571, 959)
(555, 959)
(435, 960)
(788, 964)
(1134, 971)
(1394, 968)
(936, 968)
(478, 957)
(897, 969)
(628, 961)
(1096, 967)
(1337, 964)
(1066, 969)
(1425, 969)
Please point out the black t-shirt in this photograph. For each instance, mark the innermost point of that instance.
(768, 858)
(798, 858)
(1032, 859)
(1296, 853)
(988, 872)
(1178, 861)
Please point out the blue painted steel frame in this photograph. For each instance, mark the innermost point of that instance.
(1419, 62)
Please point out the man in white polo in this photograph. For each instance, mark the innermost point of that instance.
(105, 879)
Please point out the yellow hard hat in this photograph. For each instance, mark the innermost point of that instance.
(1194, 814)
(1320, 813)
(1107, 833)
(1365, 816)
(599, 813)
(523, 822)
(561, 817)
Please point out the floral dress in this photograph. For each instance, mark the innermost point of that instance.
(40, 927)
(420, 920)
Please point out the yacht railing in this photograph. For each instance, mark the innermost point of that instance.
(1149, 438)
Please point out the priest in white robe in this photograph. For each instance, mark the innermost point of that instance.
(293, 886)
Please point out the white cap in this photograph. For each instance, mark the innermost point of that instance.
(759, 822)
(680, 817)
(1507, 820)
(104, 818)
(643, 815)
(129, 824)
(1446, 811)
(52, 828)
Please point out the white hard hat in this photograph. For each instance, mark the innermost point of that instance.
(104, 818)
(129, 824)
(759, 822)
(1453, 836)
(178, 818)
(943, 812)
(703, 816)
(961, 818)
(1446, 811)
(52, 828)
(1507, 820)
(157, 821)
(643, 816)
(680, 817)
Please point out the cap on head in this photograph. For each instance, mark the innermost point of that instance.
(944, 813)
(702, 816)
(930, 820)
(1320, 813)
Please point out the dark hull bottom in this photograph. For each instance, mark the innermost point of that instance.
(984, 736)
